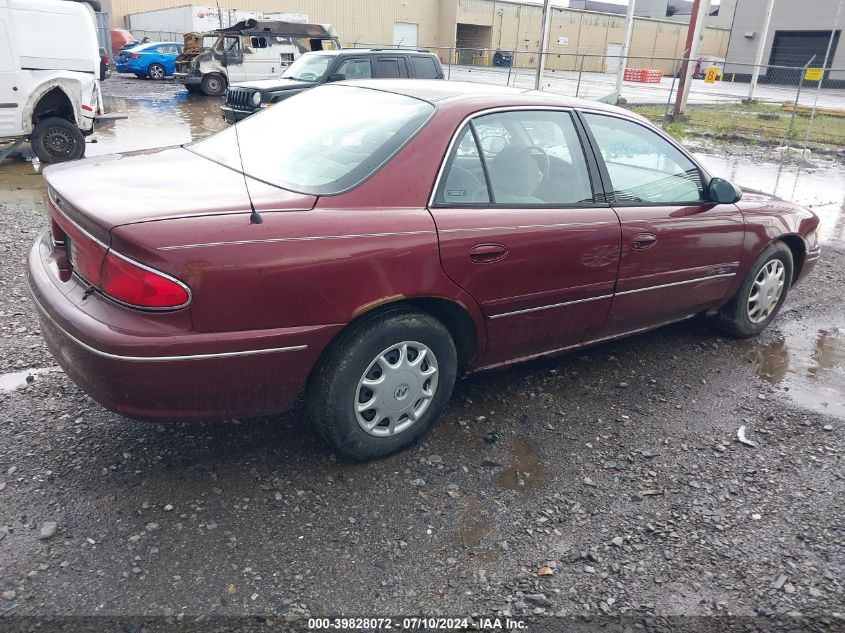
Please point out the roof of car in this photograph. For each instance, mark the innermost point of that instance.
(365, 51)
(436, 91)
(144, 46)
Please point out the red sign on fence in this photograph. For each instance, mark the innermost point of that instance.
(643, 75)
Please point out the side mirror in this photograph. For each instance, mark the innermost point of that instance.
(336, 77)
(723, 191)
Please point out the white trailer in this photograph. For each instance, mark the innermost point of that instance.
(198, 18)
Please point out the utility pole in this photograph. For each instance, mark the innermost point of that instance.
(761, 46)
(626, 45)
(694, 36)
(544, 38)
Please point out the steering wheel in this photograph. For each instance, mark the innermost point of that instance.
(535, 150)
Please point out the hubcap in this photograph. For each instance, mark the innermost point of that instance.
(58, 142)
(396, 389)
(156, 72)
(766, 291)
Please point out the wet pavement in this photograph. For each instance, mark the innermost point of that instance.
(617, 468)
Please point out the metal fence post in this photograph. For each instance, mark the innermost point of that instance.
(510, 67)
(580, 72)
(672, 87)
(797, 96)
(449, 65)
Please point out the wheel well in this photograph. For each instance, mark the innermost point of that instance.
(454, 317)
(796, 245)
(54, 103)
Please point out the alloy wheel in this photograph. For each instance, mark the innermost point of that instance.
(396, 389)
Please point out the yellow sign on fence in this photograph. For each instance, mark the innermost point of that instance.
(813, 74)
(711, 75)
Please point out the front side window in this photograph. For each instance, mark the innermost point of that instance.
(643, 166)
(355, 69)
(529, 157)
(307, 144)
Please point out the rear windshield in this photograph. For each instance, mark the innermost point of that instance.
(320, 142)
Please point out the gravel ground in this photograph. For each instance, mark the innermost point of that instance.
(606, 483)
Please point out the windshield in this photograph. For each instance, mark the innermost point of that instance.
(308, 67)
(309, 145)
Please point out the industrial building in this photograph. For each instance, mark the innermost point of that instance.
(483, 25)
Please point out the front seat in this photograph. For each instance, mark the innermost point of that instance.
(515, 176)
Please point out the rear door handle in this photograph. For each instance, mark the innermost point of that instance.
(486, 253)
(643, 240)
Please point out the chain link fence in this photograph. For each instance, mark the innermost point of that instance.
(789, 104)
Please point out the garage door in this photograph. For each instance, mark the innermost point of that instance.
(405, 34)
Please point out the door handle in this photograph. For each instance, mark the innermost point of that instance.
(486, 253)
(643, 240)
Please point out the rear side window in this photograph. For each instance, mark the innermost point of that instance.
(424, 67)
(529, 158)
(390, 67)
(464, 181)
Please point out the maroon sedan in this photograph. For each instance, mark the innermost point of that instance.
(368, 254)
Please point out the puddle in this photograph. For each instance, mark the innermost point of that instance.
(819, 187)
(525, 471)
(19, 379)
(808, 363)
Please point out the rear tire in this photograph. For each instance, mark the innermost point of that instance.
(156, 71)
(56, 140)
(761, 295)
(409, 360)
(213, 84)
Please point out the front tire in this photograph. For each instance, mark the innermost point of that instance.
(761, 295)
(213, 84)
(56, 140)
(383, 384)
(156, 71)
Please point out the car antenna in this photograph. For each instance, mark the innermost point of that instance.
(255, 216)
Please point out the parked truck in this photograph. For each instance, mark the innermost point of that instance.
(247, 51)
(49, 69)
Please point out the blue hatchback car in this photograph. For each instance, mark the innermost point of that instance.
(155, 60)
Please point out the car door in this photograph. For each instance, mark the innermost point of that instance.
(389, 67)
(680, 252)
(522, 230)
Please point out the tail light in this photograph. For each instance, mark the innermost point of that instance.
(132, 55)
(116, 276)
(139, 286)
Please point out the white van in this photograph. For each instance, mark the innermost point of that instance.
(49, 69)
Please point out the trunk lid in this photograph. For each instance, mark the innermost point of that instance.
(151, 185)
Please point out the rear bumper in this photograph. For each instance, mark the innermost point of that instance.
(188, 78)
(153, 366)
(233, 115)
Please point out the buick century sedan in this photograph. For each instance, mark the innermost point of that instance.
(368, 255)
